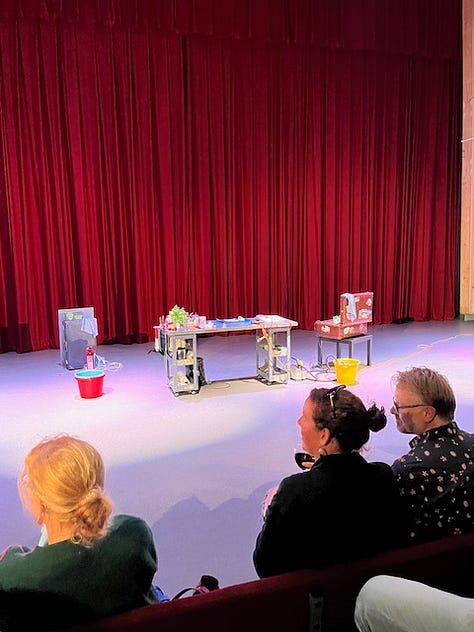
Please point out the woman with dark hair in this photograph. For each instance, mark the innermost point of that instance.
(342, 508)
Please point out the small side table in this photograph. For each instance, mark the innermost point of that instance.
(346, 341)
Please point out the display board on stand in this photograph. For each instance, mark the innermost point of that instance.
(77, 331)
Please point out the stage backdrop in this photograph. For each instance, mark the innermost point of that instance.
(230, 156)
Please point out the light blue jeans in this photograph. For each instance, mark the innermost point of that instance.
(392, 604)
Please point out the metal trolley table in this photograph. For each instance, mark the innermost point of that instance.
(272, 343)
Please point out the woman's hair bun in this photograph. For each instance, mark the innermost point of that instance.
(377, 418)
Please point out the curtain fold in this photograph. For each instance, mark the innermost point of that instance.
(235, 158)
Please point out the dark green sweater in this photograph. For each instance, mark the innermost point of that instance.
(113, 575)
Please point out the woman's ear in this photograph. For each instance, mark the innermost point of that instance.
(325, 436)
(39, 515)
(36, 508)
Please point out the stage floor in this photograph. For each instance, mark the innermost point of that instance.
(196, 467)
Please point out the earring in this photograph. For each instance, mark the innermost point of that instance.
(322, 452)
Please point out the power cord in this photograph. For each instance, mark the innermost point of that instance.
(102, 363)
(316, 373)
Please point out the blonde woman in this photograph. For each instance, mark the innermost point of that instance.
(99, 564)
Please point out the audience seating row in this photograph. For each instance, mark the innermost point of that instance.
(302, 601)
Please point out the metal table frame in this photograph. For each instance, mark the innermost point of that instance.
(347, 341)
(181, 352)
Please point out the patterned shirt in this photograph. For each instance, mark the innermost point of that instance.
(436, 480)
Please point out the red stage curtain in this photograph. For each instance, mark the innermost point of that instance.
(234, 157)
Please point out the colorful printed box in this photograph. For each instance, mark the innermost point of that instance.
(356, 308)
(329, 329)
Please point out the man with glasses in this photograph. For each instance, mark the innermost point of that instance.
(436, 477)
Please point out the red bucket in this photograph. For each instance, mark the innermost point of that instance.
(91, 383)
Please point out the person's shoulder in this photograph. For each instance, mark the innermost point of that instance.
(382, 470)
(124, 524)
(380, 466)
(293, 480)
(399, 465)
(463, 434)
(412, 458)
(130, 543)
(298, 484)
(355, 462)
(124, 521)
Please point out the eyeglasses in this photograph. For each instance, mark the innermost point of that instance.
(331, 395)
(397, 407)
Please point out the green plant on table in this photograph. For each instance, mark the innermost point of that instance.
(178, 315)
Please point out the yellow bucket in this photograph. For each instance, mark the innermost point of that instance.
(346, 370)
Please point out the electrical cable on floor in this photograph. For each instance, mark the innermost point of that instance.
(105, 365)
(326, 371)
(218, 386)
(113, 366)
(316, 373)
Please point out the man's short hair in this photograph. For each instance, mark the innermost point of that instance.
(432, 387)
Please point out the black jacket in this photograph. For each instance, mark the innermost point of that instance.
(342, 509)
